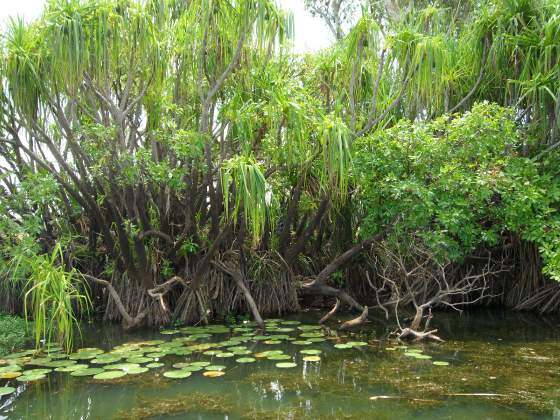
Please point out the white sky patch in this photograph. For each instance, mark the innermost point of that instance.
(311, 34)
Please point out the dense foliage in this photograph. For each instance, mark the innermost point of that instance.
(176, 157)
(13, 333)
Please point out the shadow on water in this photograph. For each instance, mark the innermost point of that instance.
(501, 365)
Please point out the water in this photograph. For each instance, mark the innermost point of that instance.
(513, 355)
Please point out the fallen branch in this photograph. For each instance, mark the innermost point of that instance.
(238, 278)
(128, 320)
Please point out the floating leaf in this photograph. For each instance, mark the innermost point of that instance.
(193, 368)
(201, 364)
(7, 390)
(312, 358)
(302, 342)
(316, 339)
(357, 343)
(310, 351)
(440, 363)
(177, 374)
(71, 368)
(279, 357)
(312, 335)
(342, 346)
(37, 371)
(211, 352)
(30, 378)
(110, 374)
(285, 365)
(137, 370)
(309, 327)
(87, 372)
(123, 366)
(10, 368)
(106, 360)
(213, 373)
(246, 360)
(215, 367)
(223, 355)
(139, 360)
(155, 365)
(9, 375)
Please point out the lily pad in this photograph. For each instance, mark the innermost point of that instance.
(155, 365)
(30, 378)
(312, 358)
(87, 372)
(246, 360)
(268, 353)
(312, 335)
(137, 370)
(440, 363)
(36, 371)
(279, 357)
(110, 374)
(225, 354)
(309, 327)
(290, 322)
(10, 368)
(122, 366)
(285, 365)
(71, 368)
(215, 367)
(357, 343)
(342, 346)
(169, 332)
(106, 360)
(139, 360)
(302, 342)
(213, 373)
(310, 351)
(7, 390)
(271, 342)
(177, 374)
(201, 364)
(193, 368)
(316, 339)
(211, 352)
(10, 375)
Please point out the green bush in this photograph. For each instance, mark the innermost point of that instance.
(459, 184)
(13, 333)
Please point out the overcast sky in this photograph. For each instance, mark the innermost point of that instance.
(311, 34)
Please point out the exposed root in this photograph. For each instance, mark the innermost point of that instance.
(356, 321)
(329, 314)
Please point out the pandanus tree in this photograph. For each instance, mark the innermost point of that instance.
(205, 168)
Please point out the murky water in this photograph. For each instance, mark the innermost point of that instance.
(501, 365)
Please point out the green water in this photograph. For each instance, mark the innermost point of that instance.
(513, 355)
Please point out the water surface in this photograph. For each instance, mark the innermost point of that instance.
(514, 356)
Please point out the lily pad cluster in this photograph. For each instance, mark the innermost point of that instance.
(416, 353)
(177, 355)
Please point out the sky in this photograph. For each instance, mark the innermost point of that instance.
(310, 33)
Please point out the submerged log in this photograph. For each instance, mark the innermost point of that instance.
(409, 333)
